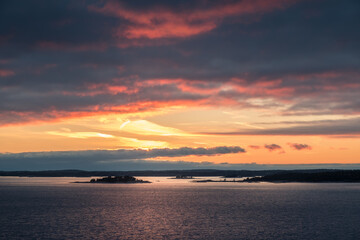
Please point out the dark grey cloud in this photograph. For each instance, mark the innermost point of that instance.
(134, 165)
(344, 127)
(59, 49)
(272, 147)
(104, 159)
(299, 146)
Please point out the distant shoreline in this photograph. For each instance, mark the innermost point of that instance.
(114, 183)
(315, 177)
(275, 176)
(160, 173)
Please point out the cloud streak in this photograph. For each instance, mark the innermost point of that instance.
(299, 146)
(6, 73)
(101, 158)
(343, 127)
(165, 22)
(272, 147)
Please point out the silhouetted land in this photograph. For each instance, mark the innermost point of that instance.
(163, 173)
(328, 176)
(313, 175)
(224, 180)
(118, 179)
(317, 175)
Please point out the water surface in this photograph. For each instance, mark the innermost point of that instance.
(55, 208)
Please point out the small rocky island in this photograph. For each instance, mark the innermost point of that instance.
(118, 179)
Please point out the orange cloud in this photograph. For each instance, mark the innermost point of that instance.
(22, 118)
(185, 85)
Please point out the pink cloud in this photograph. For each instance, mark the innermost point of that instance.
(254, 146)
(263, 87)
(161, 22)
(6, 73)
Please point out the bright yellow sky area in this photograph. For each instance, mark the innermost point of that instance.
(179, 127)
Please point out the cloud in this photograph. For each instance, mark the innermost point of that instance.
(341, 128)
(102, 158)
(243, 54)
(82, 135)
(164, 22)
(137, 165)
(272, 147)
(254, 146)
(6, 73)
(299, 146)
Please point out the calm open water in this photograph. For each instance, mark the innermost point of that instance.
(55, 208)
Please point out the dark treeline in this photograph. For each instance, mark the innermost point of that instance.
(293, 176)
(162, 173)
(118, 179)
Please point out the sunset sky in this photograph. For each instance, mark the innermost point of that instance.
(145, 84)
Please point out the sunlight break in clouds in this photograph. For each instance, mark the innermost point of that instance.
(80, 134)
(149, 128)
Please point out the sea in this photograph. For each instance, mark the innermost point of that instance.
(58, 208)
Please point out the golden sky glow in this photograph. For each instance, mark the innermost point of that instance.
(180, 128)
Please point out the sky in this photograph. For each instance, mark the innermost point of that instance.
(119, 85)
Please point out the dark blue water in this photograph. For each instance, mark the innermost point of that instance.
(53, 208)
